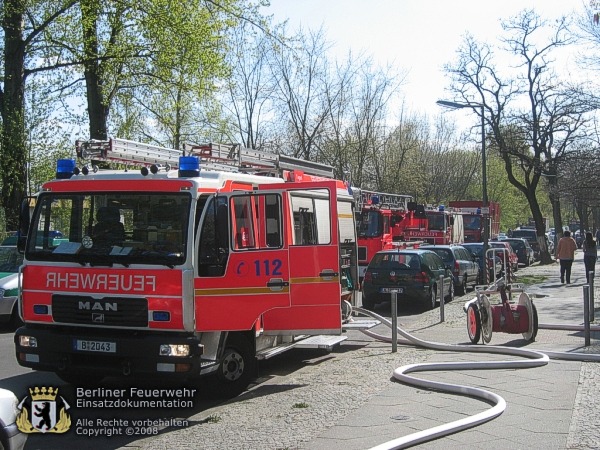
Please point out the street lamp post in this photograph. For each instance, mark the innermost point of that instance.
(485, 209)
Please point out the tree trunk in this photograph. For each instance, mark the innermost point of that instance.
(540, 227)
(97, 109)
(14, 152)
(554, 195)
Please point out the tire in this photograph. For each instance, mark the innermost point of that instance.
(450, 295)
(535, 323)
(473, 323)
(432, 301)
(237, 368)
(462, 290)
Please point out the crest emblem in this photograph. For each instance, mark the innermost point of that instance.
(43, 411)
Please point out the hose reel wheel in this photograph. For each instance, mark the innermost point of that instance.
(487, 322)
(526, 301)
(473, 322)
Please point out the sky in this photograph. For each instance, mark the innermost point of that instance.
(417, 36)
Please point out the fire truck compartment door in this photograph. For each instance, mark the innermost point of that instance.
(312, 237)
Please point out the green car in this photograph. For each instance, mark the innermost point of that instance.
(413, 275)
(10, 261)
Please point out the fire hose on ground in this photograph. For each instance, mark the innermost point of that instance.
(534, 358)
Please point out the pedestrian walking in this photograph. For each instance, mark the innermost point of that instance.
(590, 254)
(565, 253)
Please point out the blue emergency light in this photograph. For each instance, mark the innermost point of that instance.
(65, 168)
(189, 166)
(442, 208)
(375, 200)
(478, 211)
(161, 316)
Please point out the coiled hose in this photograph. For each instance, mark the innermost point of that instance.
(534, 358)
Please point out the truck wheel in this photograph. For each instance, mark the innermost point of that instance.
(237, 367)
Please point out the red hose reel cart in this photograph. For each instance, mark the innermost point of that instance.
(510, 317)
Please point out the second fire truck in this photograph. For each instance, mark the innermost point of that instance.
(381, 218)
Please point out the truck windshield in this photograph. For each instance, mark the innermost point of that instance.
(472, 222)
(436, 221)
(107, 228)
(370, 224)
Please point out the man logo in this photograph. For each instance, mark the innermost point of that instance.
(97, 318)
(48, 414)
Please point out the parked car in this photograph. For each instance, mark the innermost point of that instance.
(531, 235)
(10, 261)
(462, 264)
(10, 436)
(414, 273)
(523, 250)
(494, 265)
(511, 256)
(578, 236)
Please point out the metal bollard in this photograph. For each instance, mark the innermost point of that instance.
(394, 321)
(592, 305)
(441, 283)
(586, 314)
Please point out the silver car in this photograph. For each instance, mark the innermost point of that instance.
(10, 261)
(10, 436)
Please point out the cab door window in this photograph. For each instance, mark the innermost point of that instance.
(213, 251)
(256, 221)
(312, 217)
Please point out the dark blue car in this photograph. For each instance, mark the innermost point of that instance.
(412, 274)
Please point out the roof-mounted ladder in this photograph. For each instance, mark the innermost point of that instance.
(221, 157)
(385, 200)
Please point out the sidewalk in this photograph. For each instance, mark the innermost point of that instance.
(551, 407)
(347, 400)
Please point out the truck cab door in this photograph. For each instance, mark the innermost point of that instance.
(242, 261)
(311, 234)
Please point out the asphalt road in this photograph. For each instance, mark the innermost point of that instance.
(19, 380)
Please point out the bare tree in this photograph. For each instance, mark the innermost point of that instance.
(531, 116)
(251, 87)
(302, 75)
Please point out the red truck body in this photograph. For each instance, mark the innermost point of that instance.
(473, 218)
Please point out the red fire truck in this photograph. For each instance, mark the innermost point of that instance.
(473, 218)
(435, 225)
(200, 263)
(379, 223)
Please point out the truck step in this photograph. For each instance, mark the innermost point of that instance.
(323, 342)
(360, 324)
(273, 351)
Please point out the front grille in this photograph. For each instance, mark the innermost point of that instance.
(108, 311)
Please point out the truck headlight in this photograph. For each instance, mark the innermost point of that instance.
(27, 341)
(174, 350)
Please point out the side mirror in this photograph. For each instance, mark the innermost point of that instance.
(24, 220)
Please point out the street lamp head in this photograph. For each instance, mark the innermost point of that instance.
(453, 105)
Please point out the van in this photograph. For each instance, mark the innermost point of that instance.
(531, 236)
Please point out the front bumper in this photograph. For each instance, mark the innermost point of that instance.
(135, 353)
